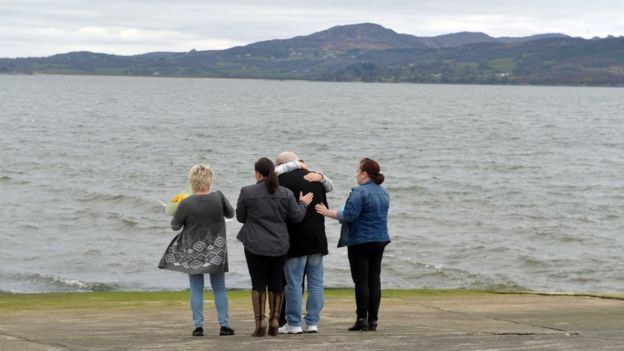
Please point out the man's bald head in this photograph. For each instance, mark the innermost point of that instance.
(285, 157)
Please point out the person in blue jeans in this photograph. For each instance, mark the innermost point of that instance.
(365, 233)
(312, 176)
(200, 248)
(308, 245)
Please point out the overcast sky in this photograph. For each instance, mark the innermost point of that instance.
(42, 28)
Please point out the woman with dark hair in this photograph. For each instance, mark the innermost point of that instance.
(264, 208)
(365, 233)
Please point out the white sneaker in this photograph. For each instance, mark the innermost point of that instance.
(289, 329)
(311, 329)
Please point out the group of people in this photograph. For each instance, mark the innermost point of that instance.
(283, 234)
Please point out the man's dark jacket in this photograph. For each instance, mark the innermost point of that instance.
(307, 237)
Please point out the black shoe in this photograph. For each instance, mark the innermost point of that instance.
(372, 325)
(198, 331)
(360, 325)
(226, 331)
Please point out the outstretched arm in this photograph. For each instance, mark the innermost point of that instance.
(351, 211)
(322, 178)
(324, 211)
(297, 210)
(287, 167)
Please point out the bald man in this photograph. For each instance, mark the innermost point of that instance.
(308, 245)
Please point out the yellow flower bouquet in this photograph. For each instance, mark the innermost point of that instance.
(172, 205)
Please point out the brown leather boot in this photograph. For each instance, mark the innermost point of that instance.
(275, 306)
(258, 301)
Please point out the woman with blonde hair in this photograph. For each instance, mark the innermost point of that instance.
(201, 246)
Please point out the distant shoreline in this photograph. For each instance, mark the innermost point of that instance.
(48, 74)
(368, 52)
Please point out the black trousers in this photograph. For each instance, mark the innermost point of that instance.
(365, 262)
(266, 272)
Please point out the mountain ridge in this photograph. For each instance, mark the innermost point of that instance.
(368, 52)
(365, 35)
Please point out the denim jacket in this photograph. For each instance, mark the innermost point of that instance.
(365, 216)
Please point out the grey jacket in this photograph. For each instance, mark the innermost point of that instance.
(200, 247)
(264, 218)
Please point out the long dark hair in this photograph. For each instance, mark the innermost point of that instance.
(372, 168)
(266, 168)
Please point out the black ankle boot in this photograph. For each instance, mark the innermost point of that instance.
(372, 325)
(198, 331)
(226, 331)
(360, 325)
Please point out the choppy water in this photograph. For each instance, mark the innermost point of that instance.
(491, 187)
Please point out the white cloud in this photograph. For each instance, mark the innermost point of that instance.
(124, 41)
(34, 27)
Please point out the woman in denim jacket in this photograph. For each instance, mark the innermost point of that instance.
(365, 233)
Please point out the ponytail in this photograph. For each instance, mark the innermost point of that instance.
(372, 168)
(379, 179)
(265, 167)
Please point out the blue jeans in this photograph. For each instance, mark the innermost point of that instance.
(217, 282)
(294, 270)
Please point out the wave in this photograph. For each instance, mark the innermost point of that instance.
(411, 189)
(27, 227)
(92, 252)
(24, 282)
(129, 223)
(534, 262)
(111, 198)
(11, 180)
(422, 275)
(120, 220)
(558, 237)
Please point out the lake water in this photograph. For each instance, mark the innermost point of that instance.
(496, 187)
